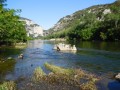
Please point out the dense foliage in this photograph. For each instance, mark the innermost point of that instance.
(92, 24)
(12, 30)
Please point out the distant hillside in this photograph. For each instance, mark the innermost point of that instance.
(33, 29)
(100, 22)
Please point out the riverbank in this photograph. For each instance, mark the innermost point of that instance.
(20, 45)
(57, 39)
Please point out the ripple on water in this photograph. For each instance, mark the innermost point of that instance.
(93, 59)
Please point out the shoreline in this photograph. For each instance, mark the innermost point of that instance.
(57, 39)
(20, 45)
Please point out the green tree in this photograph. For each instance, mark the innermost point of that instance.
(12, 30)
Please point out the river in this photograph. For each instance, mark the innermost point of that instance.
(100, 58)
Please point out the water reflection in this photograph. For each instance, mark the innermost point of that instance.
(90, 56)
(107, 46)
(97, 57)
(35, 44)
(114, 85)
(9, 52)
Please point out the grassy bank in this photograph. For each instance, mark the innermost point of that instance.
(20, 45)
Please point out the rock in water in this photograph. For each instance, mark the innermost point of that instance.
(20, 56)
(64, 47)
(117, 76)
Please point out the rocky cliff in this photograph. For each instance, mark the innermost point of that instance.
(33, 29)
(99, 11)
(100, 22)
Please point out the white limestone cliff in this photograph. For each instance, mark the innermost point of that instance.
(32, 28)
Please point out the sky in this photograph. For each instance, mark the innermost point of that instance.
(47, 13)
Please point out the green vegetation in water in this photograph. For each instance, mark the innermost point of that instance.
(6, 65)
(8, 86)
(58, 70)
(65, 77)
(38, 74)
(90, 85)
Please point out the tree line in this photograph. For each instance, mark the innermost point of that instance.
(88, 27)
(12, 30)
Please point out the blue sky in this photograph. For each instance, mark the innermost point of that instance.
(46, 13)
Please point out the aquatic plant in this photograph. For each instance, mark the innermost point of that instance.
(58, 70)
(8, 86)
(63, 77)
(38, 74)
(7, 65)
(90, 85)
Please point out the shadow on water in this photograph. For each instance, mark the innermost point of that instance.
(106, 46)
(5, 68)
(9, 52)
(98, 56)
(114, 85)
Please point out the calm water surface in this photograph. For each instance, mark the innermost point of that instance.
(100, 58)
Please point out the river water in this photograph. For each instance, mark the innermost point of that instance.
(100, 58)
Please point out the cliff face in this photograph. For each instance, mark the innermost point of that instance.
(33, 29)
(99, 12)
(69, 19)
(100, 22)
